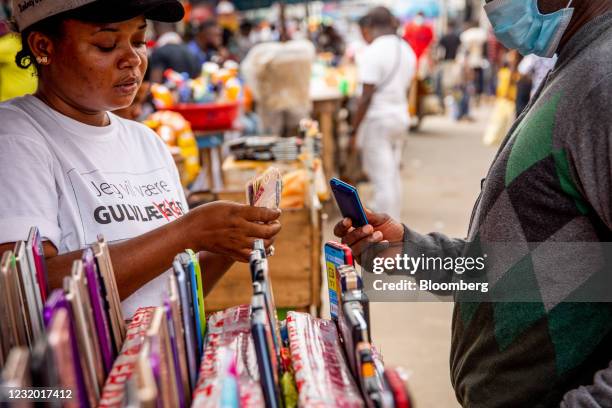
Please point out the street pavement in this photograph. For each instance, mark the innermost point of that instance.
(443, 166)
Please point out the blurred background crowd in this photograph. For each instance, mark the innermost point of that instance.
(460, 62)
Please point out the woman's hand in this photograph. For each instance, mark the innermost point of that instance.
(230, 229)
(381, 229)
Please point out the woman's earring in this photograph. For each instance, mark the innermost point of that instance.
(44, 60)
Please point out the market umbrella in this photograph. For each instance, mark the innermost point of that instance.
(409, 8)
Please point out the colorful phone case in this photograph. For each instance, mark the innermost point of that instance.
(161, 356)
(353, 329)
(267, 373)
(189, 268)
(31, 263)
(260, 273)
(82, 298)
(57, 303)
(109, 286)
(336, 255)
(188, 317)
(35, 242)
(197, 268)
(99, 314)
(172, 337)
(66, 361)
(29, 288)
(174, 301)
(83, 337)
(148, 390)
(22, 295)
(398, 387)
(12, 301)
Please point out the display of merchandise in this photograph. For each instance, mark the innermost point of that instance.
(265, 148)
(268, 148)
(215, 84)
(173, 355)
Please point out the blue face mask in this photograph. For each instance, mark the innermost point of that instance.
(519, 25)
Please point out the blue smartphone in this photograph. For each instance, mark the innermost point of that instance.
(348, 201)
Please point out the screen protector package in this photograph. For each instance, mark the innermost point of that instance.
(229, 332)
(113, 393)
(321, 373)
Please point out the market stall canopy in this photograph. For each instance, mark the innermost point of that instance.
(409, 8)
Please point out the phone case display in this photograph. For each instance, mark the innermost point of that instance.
(172, 355)
(23, 288)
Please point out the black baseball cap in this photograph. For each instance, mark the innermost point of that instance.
(28, 12)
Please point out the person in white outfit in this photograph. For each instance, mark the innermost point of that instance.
(385, 70)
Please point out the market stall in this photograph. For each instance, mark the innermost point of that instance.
(75, 340)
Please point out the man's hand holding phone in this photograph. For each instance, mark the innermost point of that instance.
(381, 229)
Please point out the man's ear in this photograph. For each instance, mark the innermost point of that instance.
(41, 46)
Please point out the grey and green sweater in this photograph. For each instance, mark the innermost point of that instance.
(551, 181)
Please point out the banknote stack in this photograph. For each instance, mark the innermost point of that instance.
(265, 190)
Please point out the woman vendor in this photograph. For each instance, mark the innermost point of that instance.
(75, 170)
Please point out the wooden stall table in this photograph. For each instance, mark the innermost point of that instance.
(210, 144)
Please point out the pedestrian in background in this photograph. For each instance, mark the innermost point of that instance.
(419, 35)
(385, 70)
(473, 41)
(171, 53)
(207, 42)
(504, 111)
(448, 72)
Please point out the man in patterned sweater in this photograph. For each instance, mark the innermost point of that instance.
(550, 182)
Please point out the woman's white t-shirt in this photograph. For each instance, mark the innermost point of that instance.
(74, 181)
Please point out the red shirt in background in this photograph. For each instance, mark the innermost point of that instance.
(419, 36)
